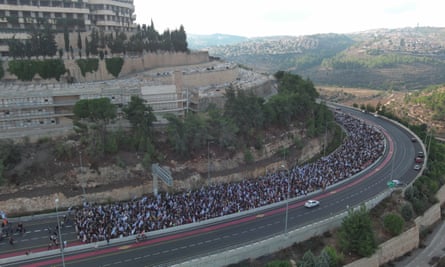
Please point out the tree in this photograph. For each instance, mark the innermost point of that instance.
(66, 38)
(245, 109)
(79, 41)
(141, 117)
(196, 134)
(308, 260)
(2, 178)
(94, 44)
(278, 263)
(356, 234)
(176, 134)
(91, 118)
(393, 223)
(334, 258)
(87, 47)
(221, 128)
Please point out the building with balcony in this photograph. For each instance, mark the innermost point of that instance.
(19, 17)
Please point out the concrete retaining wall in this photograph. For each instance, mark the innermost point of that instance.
(430, 217)
(399, 245)
(441, 195)
(372, 261)
(35, 204)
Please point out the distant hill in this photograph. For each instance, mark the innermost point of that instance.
(200, 42)
(399, 59)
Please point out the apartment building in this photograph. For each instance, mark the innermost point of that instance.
(18, 17)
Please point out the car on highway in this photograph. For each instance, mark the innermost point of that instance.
(397, 182)
(417, 167)
(418, 160)
(420, 154)
(311, 203)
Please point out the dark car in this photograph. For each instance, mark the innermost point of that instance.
(418, 160)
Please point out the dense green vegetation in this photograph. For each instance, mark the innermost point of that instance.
(41, 43)
(433, 98)
(10, 155)
(387, 60)
(393, 223)
(2, 71)
(91, 119)
(88, 65)
(47, 68)
(245, 117)
(356, 233)
(114, 65)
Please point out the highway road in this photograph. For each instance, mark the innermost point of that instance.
(175, 245)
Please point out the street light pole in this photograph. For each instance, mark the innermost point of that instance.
(208, 159)
(81, 171)
(60, 233)
(287, 200)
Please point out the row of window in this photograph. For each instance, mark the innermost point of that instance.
(5, 125)
(26, 101)
(25, 112)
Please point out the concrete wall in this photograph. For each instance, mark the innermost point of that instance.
(399, 245)
(441, 195)
(35, 204)
(431, 216)
(200, 79)
(372, 261)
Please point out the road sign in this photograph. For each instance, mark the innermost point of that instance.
(391, 184)
(164, 174)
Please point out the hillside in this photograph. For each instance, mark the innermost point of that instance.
(399, 59)
(425, 106)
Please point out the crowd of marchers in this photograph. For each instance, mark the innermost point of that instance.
(363, 144)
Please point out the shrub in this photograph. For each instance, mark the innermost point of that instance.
(407, 212)
(248, 157)
(25, 70)
(393, 223)
(88, 65)
(114, 65)
(333, 257)
(278, 263)
(2, 72)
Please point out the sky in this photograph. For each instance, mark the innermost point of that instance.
(258, 18)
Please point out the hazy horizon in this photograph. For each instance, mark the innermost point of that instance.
(257, 18)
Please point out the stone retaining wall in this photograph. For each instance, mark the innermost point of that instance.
(134, 64)
(46, 203)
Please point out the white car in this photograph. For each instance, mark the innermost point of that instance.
(311, 203)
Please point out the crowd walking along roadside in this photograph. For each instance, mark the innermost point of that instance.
(363, 145)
